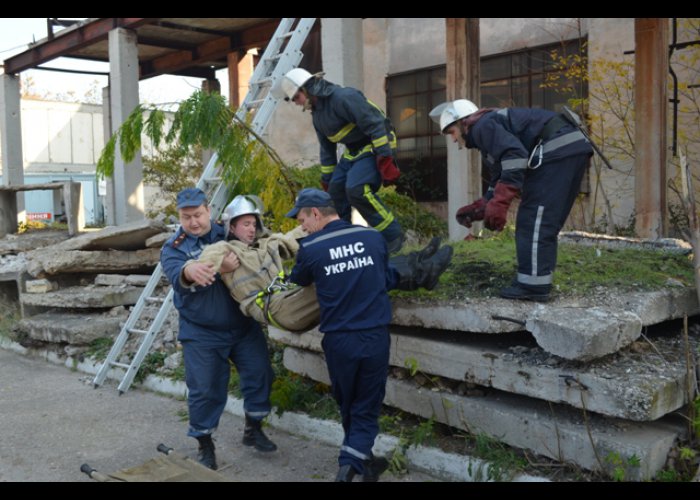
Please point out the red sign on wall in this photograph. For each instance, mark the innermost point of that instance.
(38, 215)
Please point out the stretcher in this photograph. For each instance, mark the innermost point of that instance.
(173, 467)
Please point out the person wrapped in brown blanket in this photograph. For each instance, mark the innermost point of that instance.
(258, 283)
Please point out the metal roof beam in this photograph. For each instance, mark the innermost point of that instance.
(71, 40)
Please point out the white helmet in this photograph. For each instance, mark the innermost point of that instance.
(288, 85)
(247, 204)
(447, 113)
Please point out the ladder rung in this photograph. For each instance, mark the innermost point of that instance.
(120, 365)
(158, 300)
(255, 103)
(211, 180)
(136, 330)
(286, 35)
(262, 81)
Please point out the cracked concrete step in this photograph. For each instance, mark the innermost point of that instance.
(654, 377)
(49, 262)
(129, 236)
(98, 297)
(553, 431)
(71, 328)
(573, 328)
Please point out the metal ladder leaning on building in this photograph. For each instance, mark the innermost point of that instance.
(282, 54)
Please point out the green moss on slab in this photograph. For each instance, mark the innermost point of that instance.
(481, 267)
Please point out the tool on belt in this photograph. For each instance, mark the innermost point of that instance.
(566, 117)
(575, 120)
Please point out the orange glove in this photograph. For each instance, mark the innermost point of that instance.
(497, 208)
(387, 168)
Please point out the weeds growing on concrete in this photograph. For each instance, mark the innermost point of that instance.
(481, 267)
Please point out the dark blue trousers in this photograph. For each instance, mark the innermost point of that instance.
(548, 195)
(355, 184)
(358, 365)
(207, 373)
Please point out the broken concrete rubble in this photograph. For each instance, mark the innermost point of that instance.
(583, 334)
(158, 240)
(17, 243)
(129, 236)
(51, 262)
(120, 279)
(495, 316)
(96, 297)
(70, 328)
(41, 286)
(606, 241)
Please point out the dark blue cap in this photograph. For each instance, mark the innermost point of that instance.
(310, 197)
(191, 197)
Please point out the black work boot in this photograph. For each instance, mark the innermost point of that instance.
(415, 273)
(519, 291)
(429, 249)
(345, 474)
(205, 455)
(374, 468)
(432, 268)
(254, 436)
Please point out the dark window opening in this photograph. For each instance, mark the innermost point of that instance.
(507, 80)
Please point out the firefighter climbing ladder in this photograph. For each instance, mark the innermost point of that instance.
(282, 54)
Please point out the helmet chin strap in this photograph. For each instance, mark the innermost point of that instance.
(308, 105)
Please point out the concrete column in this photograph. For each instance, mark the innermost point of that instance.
(240, 69)
(341, 51)
(651, 105)
(209, 85)
(11, 136)
(463, 166)
(107, 199)
(124, 88)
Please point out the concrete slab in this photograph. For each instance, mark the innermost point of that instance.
(110, 279)
(84, 297)
(550, 430)
(70, 328)
(12, 267)
(158, 240)
(583, 238)
(40, 286)
(17, 243)
(654, 376)
(129, 236)
(138, 279)
(42, 262)
(477, 315)
(583, 334)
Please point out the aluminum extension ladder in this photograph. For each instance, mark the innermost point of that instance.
(282, 54)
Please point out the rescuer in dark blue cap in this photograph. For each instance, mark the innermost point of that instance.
(214, 332)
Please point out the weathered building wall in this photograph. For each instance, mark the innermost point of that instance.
(397, 45)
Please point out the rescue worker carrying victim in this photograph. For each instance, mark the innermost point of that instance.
(350, 267)
(344, 115)
(259, 282)
(536, 154)
(213, 331)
